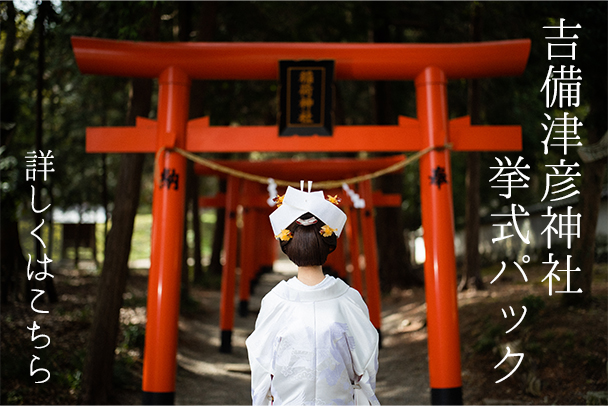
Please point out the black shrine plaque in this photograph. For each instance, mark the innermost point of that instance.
(306, 97)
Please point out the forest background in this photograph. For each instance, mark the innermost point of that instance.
(47, 104)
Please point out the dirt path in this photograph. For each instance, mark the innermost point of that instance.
(205, 376)
(565, 348)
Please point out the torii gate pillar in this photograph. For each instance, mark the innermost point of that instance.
(429, 64)
(160, 362)
(438, 225)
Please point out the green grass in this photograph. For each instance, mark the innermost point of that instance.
(140, 242)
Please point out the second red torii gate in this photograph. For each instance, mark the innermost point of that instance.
(429, 65)
(252, 195)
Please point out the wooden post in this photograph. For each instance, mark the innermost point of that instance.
(229, 268)
(352, 233)
(372, 283)
(248, 250)
(438, 225)
(337, 259)
(430, 66)
(160, 363)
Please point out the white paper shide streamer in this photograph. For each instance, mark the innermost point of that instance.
(272, 192)
(358, 202)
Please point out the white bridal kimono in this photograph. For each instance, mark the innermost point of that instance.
(313, 345)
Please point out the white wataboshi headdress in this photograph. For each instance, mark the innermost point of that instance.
(296, 202)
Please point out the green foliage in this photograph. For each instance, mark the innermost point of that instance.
(534, 305)
(65, 365)
(534, 348)
(73, 101)
(13, 397)
(488, 339)
(210, 281)
(74, 379)
(135, 337)
(125, 375)
(8, 165)
(127, 365)
(134, 301)
(140, 242)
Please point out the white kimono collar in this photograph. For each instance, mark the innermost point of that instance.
(334, 289)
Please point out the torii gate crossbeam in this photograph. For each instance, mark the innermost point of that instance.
(429, 65)
(354, 61)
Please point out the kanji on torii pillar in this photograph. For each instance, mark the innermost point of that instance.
(429, 65)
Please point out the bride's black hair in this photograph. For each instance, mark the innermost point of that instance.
(308, 247)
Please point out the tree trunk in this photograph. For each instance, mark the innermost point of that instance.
(13, 278)
(471, 272)
(98, 368)
(196, 227)
(185, 272)
(190, 203)
(43, 13)
(394, 266)
(196, 110)
(393, 255)
(583, 252)
(205, 31)
(12, 261)
(184, 17)
(215, 264)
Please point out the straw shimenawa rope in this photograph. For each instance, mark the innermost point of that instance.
(329, 184)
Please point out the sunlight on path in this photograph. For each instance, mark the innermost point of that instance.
(205, 376)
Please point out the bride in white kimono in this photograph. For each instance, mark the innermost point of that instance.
(313, 342)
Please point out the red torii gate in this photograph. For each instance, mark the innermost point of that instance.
(429, 65)
(252, 195)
